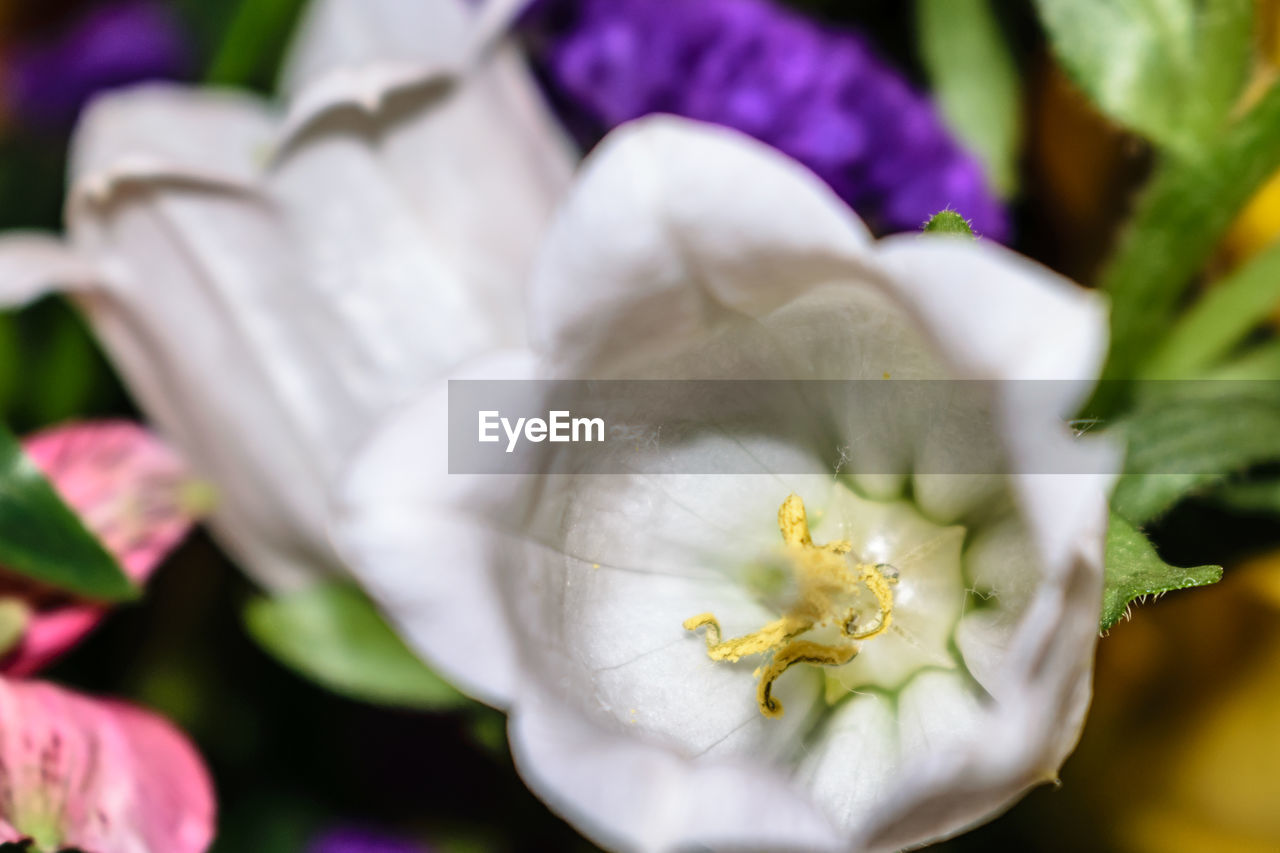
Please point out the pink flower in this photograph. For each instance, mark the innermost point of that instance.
(77, 772)
(132, 492)
(97, 775)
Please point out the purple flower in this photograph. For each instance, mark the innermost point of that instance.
(113, 44)
(819, 94)
(348, 840)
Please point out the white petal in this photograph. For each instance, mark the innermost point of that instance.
(600, 608)
(32, 265)
(666, 207)
(939, 713)
(266, 319)
(961, 498)
(856, 764)
(1042, 692)
(379, 63)
(166, 131)
(422, 540)
(1002, 564)
(876, 758)
(346, 34)
(202, 317)
(481, 170)
(628, 794)
(487, 166)
(953, 790)
(1004, 568)
(447, 189)
(494, 19)
(164, 201)
(262, 370)
(999, 316)
(395, 290)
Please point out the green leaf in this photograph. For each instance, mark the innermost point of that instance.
(948, 222)
(1220, 320)
(42, 539)
(254, 43)
(975, 81)
(1258, 362)
(1224, 59)
(1259, 496)
(488, 728)
(333, 634)
(1182, 217)
(1134, 571)
(65, 370)
(11, 365)
(1169, 69)
(1182, 445)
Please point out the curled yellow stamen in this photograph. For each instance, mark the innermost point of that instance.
(797, 651)
(874, 579)
(826, 580)
(769, 637)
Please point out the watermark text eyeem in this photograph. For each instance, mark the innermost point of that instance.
(559, 426)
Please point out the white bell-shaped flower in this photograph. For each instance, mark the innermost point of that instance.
(836, 642)
(270, 281)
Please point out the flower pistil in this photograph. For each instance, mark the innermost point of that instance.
(829, 585)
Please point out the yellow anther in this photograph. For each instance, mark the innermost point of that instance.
(878, 583)
(827, 585)
(797, 651)
(793, 522)
(769, 637)
(708, 621)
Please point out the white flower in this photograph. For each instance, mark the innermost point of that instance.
(270, 284)
(588, 610)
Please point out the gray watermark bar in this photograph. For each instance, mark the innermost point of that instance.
(869, 426)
